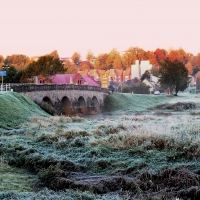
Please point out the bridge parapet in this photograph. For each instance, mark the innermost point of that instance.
(48, 87)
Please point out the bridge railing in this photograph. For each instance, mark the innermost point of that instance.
(48, 87)
(5, 87)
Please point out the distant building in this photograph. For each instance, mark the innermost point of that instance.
(127, 74)
(197, 81)
(76, 79)
(139, 68)
(152, 83)
(35, 58)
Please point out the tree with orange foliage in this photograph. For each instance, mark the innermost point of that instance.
(100, 62)
(179, 55)
(76, 58)
(71, 68)
(114, 57)
(191, 58)
(85, 65)
(161, 55)
(19, 61)
(128, 59)
(197, 60)
(133, 54)
(90, 56)
(1, 61)
(151, 57)
(139, 53)
(189, 67)
(117, 64)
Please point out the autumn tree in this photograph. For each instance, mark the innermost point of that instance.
(139, 53)
(161, 55)
(1, 61)
(114, 60)
(151, 57)
(19, 61)
(100, 62)
(177, 54)
(128, 59)
(197, 60)
(76, 58)
(45, 66)
(90, 56)
(117, 64)
(70, 67)
(189, 67)
(191, 58)
(174, 75)
(85, 65)
(133, 54)
(54, 54)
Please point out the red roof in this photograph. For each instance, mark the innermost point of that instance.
(65, 79)
(62, 78)
(90, 81)
(197, 74)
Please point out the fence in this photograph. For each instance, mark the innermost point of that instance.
(6, 87)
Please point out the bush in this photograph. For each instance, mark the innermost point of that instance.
(141, 89)
(48, 108)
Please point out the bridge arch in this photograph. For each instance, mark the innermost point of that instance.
(47, 100)
(96, 104)
(66, 106)
(82, 105)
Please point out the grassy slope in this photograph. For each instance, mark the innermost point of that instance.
(16, 179)
(16, 109)
(133, 102)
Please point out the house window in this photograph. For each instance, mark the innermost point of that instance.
(79, 82)
(41, 81)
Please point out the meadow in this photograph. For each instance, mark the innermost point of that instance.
(139, 147)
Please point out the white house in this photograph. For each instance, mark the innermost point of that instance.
(139, 68)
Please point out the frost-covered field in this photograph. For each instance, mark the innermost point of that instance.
(148, 149)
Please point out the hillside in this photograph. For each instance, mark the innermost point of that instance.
(133, 102)
(16, 109)
(130, 103)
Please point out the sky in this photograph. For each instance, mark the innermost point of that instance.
(38, 27)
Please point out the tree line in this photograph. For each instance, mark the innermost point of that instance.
(20, 68)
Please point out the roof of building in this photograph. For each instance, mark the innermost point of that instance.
(90, 81)
(197, 74)
(62, 78)
(65, 79)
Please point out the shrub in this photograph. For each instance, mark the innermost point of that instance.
(48, 108)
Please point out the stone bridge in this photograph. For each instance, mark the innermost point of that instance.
(65, 99)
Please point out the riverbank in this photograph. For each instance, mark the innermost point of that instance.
(129, 154)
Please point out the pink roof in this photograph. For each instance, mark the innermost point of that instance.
(90, 81)
(65, 79)
(62, 78)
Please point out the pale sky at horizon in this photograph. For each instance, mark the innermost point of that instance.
(38, 27)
